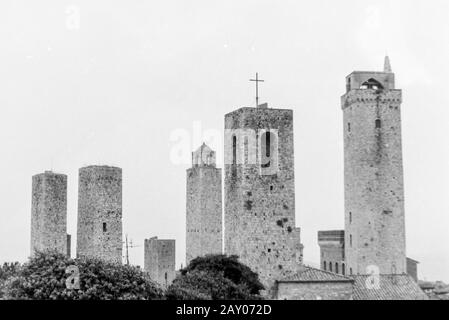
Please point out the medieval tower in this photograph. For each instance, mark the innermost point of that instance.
(373, 174)
(49, 212)
(100, 213)
(159, 261)
(204, 205)
(260, 191)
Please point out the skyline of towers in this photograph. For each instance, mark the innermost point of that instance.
(99, 228)
(49, 213)
(204, 230)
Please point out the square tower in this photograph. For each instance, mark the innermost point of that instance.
(49, 213)
(373, 174)
(260, 192)
(160, 260)
(100, 213)
(204, 233)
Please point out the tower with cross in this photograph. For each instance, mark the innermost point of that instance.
(259, 191)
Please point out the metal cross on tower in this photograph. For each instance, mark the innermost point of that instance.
(257, 80)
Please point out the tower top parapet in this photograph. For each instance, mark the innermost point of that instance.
(377, 80)
(204, 156)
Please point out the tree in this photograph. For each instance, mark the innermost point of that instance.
(7, 271)
(215, 277)
(45, 277)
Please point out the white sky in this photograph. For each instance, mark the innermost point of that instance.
(114, 88)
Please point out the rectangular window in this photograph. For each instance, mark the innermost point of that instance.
(378, 124)
(349, 127)
(104, 227)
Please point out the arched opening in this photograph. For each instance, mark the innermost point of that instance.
(350, 271)
(330, 266)
(350, 240)
(234, 149)
(350, 217)
(266, 149)
(245, 144)
(324, 265)
(336, 267)
(104, 227)
(343, 269)
(372, 84)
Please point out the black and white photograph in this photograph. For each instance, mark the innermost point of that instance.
(246, 151)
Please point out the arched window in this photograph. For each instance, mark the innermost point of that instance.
(350, 271)
(330, 266)
(104, 227)
(234, 150)
(343, 269)
(266, 149)
(336, 267)
(371, 84)
(245, 143)
(378, 124)
(350, 240)
(324, 265)
(350, 217)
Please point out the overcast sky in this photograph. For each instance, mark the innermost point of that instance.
(111, 82)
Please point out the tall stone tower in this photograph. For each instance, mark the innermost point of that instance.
(49, 213)
(374, 188)
(100, 213)
(260, 192)
(160, 260)
(204, 206)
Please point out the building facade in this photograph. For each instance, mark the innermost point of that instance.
(99, 231)
(160, 260)
(260, 192)
(49, 213)
(204, 232)
(332, 251)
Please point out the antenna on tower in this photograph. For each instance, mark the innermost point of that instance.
(128, 245)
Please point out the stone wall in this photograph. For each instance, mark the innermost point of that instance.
(49, 212)
(314, 291)
(100, 213)
(260, 204)
(160, 260)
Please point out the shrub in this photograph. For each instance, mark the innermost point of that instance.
(215, 277)
(44, 277)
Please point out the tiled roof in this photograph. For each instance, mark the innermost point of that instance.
(309, 274)
(390, 287)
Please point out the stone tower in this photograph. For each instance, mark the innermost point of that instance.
(374, 188)
(260, 192)
(49, 213)
(160, 260)
(100, 213)
(204, 206)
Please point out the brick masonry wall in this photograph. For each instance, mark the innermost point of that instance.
(315, 291)
(204, 212)
(49, 212)
(260, 209)
(100, 213)
(374, 193)
(160, 260)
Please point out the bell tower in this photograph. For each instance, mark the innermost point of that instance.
(373, 173)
